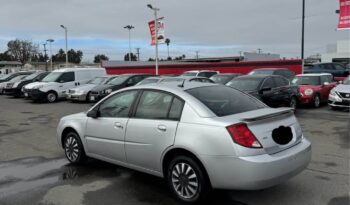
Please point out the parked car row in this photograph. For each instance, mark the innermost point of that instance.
(270, 85)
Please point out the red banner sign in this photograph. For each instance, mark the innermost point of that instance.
(344, 15)
(152, 28)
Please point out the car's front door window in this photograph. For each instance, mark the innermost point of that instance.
(118, 105)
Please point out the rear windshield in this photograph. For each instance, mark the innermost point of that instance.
(223, 100)
(222, 79)
(189, 74)
(261, 72)
(245, 84)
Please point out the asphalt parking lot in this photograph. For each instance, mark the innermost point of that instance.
(33, 169)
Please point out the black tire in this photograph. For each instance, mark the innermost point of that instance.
(73, 148)
(51, 97)
(316, 101)
(293, 102)
(192, 183)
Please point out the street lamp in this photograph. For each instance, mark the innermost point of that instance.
(302, 35)
(66, 31)
(50, 42)
(129, 27)
(156, 32)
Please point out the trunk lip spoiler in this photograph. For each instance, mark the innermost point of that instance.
(277, 112)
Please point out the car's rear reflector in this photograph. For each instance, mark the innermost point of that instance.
(241, 135)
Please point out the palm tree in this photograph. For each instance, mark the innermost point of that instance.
(167, 41)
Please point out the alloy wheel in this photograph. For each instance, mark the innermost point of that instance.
(72, 149)
(317, 101)
(51, 97)
(184, 180)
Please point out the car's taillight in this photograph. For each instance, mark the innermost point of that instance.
(241, 135)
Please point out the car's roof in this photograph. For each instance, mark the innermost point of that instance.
(271, 69)
(260, 76)
(76, 69)
(134, 74)
(314, 74)
(200, 71)
(228, 74)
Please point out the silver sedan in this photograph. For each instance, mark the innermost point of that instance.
(197, 136)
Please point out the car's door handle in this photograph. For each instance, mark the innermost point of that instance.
(162, 128)
(118, 125)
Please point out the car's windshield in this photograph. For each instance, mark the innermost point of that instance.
(306, 80)
(17, 78)
(189, 74)
(118, 80)
(222, 79)
(98, 81)
(32, 76)
(52, 77)
(245, 84)
(347, 81)
(4, 77)
(261, 72)
(148, 81)
(223, 100)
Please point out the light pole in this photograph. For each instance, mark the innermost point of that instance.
(302, 36)
(66, 31)
(44, 44)
(129, 27)
(156, 32)
(50, 42)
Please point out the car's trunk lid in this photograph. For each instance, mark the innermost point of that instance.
(276, 129)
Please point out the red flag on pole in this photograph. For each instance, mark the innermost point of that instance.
(161, 33)
(344, 15)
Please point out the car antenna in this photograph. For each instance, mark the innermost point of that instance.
(182, 84)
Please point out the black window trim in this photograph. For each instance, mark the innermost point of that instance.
(137, 101)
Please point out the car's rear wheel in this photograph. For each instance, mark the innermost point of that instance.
(187, 180)
(51, 97)
(316, 102)
(73, 148)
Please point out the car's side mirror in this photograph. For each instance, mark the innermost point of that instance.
(262, 90)
(93, 114)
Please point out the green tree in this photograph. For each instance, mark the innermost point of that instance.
(100, 57)
(133, 57)
(21, 50)
(73, 56)
(5, 56)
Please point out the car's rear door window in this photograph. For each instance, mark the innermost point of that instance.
(154, 105)
(223, 100)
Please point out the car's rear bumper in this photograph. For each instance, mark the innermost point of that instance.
(257, 172)
(76, 97)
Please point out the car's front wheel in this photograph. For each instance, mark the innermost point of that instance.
(187, 180)
(73, 148)
(51, 97)
(316, 101)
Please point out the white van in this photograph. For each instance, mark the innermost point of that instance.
(55, 85)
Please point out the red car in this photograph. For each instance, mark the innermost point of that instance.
(314, 88)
